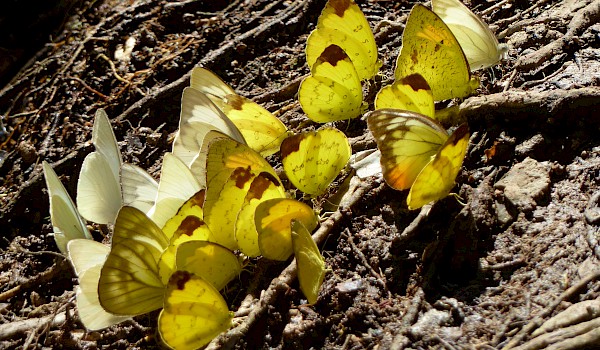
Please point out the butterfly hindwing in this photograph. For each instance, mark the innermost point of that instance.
(273, 220)
(407, 141)
(436, 179)
(309, 261)
(479, 44)
(312, 160)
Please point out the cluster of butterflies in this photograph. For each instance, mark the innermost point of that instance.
(440, 48)
(176, 243)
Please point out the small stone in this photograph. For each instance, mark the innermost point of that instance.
(525, 184)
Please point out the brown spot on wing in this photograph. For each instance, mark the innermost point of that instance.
(260, 184)
(459, 133)
(235, 101)
(241, 176)
(198, 198)
(340, 6)
(332, 55)
(188, 226)
(180, 278)
(290, 145)
(416, 82)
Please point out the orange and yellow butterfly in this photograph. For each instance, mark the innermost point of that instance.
(418, 153)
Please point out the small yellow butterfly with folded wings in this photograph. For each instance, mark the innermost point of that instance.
(418, 153)
(312, 160)
(342, 23)
(430, 49)
(333, 91)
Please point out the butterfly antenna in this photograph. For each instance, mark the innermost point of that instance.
(458, 198)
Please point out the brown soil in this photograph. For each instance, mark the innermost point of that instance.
(483, 275)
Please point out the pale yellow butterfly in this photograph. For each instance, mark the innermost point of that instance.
(261, 129)
(474, 36)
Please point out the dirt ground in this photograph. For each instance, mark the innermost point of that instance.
(483, 275)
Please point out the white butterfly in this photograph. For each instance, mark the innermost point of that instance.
(199, 116)
(476, 39)
(106, 183)
(177, 185)
(87, 257)
(67, 224)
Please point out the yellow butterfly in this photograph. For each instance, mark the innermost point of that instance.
(261, 129)
(87, 257)
(476, 39)
(231, 169)
(333, 91)
(312, 160)
(273, 220)
(214, 263)
(411, 93)
(430, 49)
(417, 153)
(309, 261)
(67, 224)
(194, 312)
(106, 183)
(130, 283)
(342, 23)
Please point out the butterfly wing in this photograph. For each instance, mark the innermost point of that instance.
(333, 91)
(476, 39)
(177, 184)
(87, 257)
(99, 186)
(67, 224)
(430, 49)
(139, 188)
(129, 282)
(436, 179)
(342, 23)
(261, 129)
(309, 261)
(407, 142)
(194, 312)
(312, 160)
(273, 220)
(411, 93)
